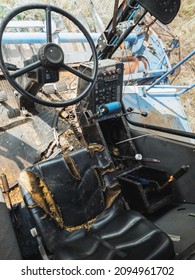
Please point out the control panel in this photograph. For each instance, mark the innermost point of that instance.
(108, 87)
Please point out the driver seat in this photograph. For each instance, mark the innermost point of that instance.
(80, 215)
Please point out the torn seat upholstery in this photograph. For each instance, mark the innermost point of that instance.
(79, 213)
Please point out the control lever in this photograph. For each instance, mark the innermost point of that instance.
(106, 110)
(130, 111)
(6, 190)
(138, 157)
(175, 176)
(114, 108)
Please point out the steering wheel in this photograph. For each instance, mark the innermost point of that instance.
(50, 57)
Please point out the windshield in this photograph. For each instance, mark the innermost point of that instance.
(150, 50)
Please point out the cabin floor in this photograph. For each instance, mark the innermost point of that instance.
(178, 221)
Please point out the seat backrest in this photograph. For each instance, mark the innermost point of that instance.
(70, 188)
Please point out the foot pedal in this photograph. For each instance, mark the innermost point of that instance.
(3, 96)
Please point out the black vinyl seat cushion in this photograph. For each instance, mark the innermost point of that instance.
(118, 234)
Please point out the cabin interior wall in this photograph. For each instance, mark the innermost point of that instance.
(172, 155)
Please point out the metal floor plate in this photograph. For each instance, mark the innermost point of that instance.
(178, 222)
(23, 142)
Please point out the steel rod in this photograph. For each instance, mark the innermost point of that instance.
(171, 70)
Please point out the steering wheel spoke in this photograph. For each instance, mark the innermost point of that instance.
(78, 73)
(48, 24)
(25, 69)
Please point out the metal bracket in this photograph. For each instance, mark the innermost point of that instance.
(103, 43)
(34, 234)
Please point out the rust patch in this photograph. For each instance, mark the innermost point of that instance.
(86, 226)
(41, 195)
(95, 148)
(131, 65)
(111, 195)
(115, 151)
(54, 209)
(102, 171)
(72, 166)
